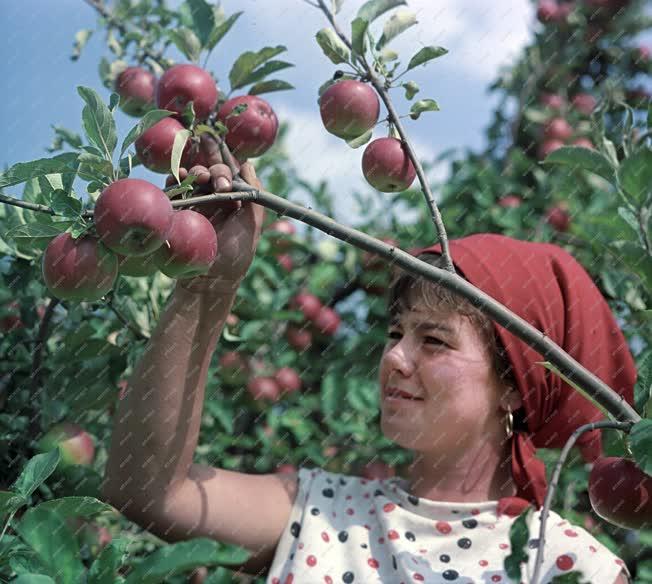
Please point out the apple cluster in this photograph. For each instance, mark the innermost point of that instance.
(349, 109)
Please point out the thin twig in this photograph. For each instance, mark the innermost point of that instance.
(140, 335)
(395, 120)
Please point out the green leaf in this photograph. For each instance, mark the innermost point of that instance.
(103, 569)
(635, 175)
(583, 158)
(36, 472)
(249, 61)
(98, 122)
(332, 46)
(146, 122)
(371, 10)
(640, 437)
(177, 558)
(411, 89)
(265, 70)
(395, 25)
(180, 139)
(269, 86)
(332, 394)
(37, 234)
(203, 19)
(359, 28)
(10, 502)
(53, 542)
(94, 165)
(114, 100)
(65, 163)
(649, 117)
(388, 55)
(423, 105)
(63, 135)
(336, 5)
(360, 140)
(81, 38)
(186, 41)
(629, 217)
(424, 55)
(636, 258)
(221, 29)
(643, 389)
(33, 579)
(518, 536)
(75, 506)
(65, 204)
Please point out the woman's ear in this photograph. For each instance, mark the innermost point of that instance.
(512, 398)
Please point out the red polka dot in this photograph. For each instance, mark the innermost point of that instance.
(570, 533)
(443, 527)
(483, 563)
(564, 562)
(349, 497)
(350, 511)
(367, 527)
(301, 546)
(363, 481)
(328, 580)
(503, 546)
(290, 578)
(496, 578)
(593, 548)
(311, 560)
(492, 526)
(381, 540)
(372, 512)
(620, 562)
(388, 507)
(418, 577)
(366, 495)
(334, 514)
(475, 511)
(324, 536)
(423, 551)
(276, 581)
(373, 563)
(392, 534)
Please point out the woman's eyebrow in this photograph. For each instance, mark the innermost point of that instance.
(427, 326)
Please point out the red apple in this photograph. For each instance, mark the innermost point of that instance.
(510, 201)
(563, 12)
(638, 97)
(181, 84)
(285, 229)
(76, 445)
(642, 55)
(307, 303)
(40, 311)
(252, 132)
(288, 379)
(621, 493)
(132, 217)
(299, 339)
(584, 143)
(190, 248)
(330, 451)
(154, 146)
(12, 320)
(387, 166)
(285, 260)
(136, 87)
(378, 470)
(559, 218)
(557, 129)
(373, 263)
(78, 269)
(327, 321)
(232, 319)
(264, 388)
(584, 103)
(547, 11)
(138, 266)
(234, 368)
(286, 469)
(549, 146)
(96, 537)
(552, 100)
(349, 108)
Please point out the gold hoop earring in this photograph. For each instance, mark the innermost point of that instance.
(509, 423)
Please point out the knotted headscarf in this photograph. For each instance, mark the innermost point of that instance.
(544, 285)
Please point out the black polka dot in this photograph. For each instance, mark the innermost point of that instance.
(470, 523)
(291, 556)
(342, 536)
(455, 511)
(533, 544)
(394, 562)
(464, 543)
(348, 577)
(329, 481)
(414, 500)
(409, 535)
(315, 511)
(450, 575)
(378, 492)
(364, 546)
(295, 529)
(343, 482)
(328, 493)
(444, 558)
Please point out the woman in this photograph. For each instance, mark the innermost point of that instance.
(473, 470)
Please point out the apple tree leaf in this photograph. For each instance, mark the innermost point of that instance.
(10, 502)
(146, 122)
(20, 172)
(426, 54)
(269, 86)
(98, 122)
(411, 89)
(583, 158)
(359, 28)
(81, 38)
(30, 578)
(395, 25)
(186, 41)
(248, 62)
(372, 9)
(332, 46)
(640, 439)
(36, 234)
(64, 204)
(180, 139)
(388, 55)
(519, 535)
(266, 69)
(360, 140)
(221, 29)
(203, 19)
(36, 472)
(75, 506)
(635, 174)
(336, 5)
(423, 105)
(643, 388)
(103, 569)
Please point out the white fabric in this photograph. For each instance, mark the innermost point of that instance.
(348, 529)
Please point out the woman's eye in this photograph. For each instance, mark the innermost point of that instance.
(393, 335)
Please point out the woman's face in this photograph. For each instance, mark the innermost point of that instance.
(441, 359)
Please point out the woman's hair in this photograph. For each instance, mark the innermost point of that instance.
(406, 288)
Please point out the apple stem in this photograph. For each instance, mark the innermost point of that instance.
(395, 119)
(624, 426)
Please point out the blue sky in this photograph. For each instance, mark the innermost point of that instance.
(41, 80)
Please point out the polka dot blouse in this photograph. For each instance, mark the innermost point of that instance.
(348, 529)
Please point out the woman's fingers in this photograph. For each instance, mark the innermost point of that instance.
(202, 174)
(248, 174)
(221, 178)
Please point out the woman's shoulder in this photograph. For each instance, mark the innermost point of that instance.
(569, 547)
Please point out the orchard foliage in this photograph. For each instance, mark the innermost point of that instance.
(293, 382)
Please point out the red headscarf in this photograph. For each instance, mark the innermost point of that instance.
(547, 287)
